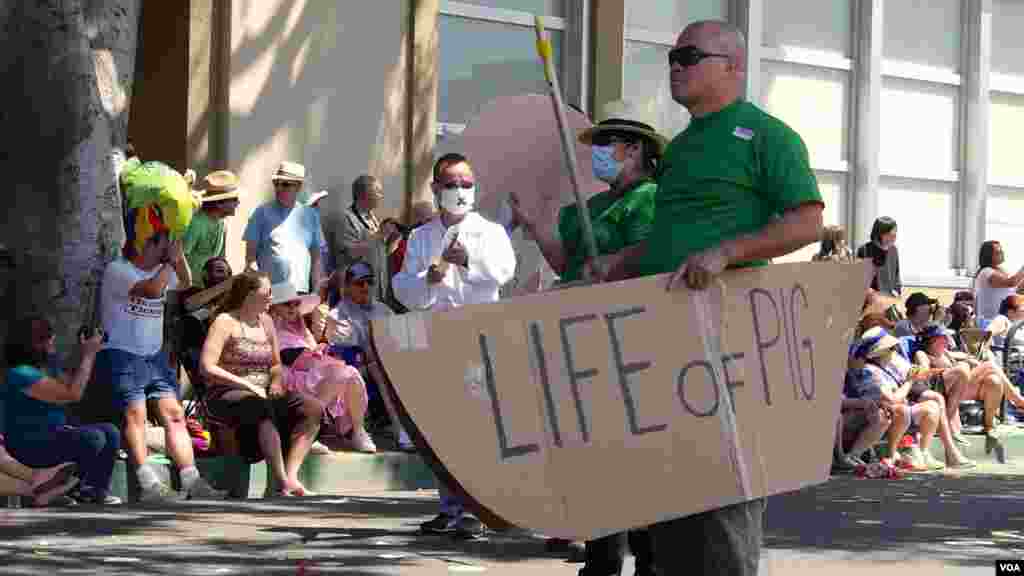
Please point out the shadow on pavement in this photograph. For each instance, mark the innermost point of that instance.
(961, 520)
(273, 535)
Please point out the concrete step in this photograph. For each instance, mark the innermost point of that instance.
(335, 473)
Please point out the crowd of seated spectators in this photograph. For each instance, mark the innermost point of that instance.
(931, 369)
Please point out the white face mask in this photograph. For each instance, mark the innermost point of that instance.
(457, 201)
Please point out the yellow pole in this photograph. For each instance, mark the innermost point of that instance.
(568, 142)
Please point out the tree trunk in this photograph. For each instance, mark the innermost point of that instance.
(67, 68)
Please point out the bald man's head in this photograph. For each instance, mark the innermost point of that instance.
(724, 37)
(709, 70)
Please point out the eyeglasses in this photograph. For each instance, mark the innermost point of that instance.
(285, 184)
(686, 56)
(363, 282)
(463, 184)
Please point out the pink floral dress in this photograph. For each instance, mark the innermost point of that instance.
(312, 368)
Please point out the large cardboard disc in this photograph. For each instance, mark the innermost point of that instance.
(587, 411)
(515, 146)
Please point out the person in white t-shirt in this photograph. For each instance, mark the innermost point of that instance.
(134, 363)
(456, 259)
(992, 284)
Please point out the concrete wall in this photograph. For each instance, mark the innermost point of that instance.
(324, 84)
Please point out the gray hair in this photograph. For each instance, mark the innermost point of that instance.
(362, 185)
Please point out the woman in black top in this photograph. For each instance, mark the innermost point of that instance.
(882, 251)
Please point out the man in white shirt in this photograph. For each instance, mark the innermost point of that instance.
(457, 258)
(134, 363)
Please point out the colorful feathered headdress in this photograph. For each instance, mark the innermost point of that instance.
(158, 199)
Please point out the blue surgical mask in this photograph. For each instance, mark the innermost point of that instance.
(606, 167)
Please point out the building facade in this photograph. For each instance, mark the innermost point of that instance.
(910, 108)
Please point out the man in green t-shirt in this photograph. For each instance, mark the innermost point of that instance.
(204, 237)
(735, 189)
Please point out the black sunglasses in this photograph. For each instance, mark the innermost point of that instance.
(686, 56)
(464, 185)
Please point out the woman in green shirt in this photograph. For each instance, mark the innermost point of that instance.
(625, 151)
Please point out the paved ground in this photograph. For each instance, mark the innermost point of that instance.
(846, 526)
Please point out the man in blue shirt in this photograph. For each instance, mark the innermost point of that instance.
(283, 237)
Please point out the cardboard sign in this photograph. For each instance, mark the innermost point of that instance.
(584, 412)
(514, 146)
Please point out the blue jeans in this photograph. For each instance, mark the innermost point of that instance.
(451, 505)
(93, 447)
(136, 378)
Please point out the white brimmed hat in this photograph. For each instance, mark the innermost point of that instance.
(285, 292)
(626, 116)
(290, 172)
(874, 343)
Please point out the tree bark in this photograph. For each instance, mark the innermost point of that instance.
(67, 68)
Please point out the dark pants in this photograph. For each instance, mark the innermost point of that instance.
(605, 556)
(93, 447)
(725, 541)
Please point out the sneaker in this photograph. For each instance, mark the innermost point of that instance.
(107, 500)
(469, 528)
(159, 492)
(62, 501)
(845, 464)
(202, 489)
(361, 442)
(319, 449)
(90, 495)
(441, 524)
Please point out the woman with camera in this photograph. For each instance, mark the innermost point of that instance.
(38, 434)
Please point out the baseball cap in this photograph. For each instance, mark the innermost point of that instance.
(358, 271)
(919, 299)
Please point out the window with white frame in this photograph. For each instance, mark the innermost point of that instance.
(832, 186)
(923, 35)
(923, 210)
(1006, 125)
(645, 78)
(919, 133)
(651, 30)
(488, 49)
(1004, 222)
(796, 30)
(1005, 210)
(1007, 41)
(805, 82)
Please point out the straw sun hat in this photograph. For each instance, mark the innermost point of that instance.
(625, 116)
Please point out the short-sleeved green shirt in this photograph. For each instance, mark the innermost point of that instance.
(203, 239)
(617, 222)
(729, 174)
